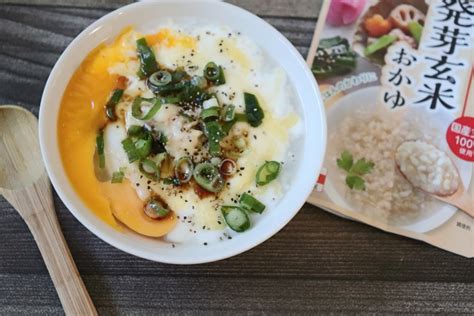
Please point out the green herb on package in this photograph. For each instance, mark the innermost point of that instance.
(355, 171)
(334, 56)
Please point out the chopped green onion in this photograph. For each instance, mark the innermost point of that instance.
(160, 78)
(117, 177)
(268, 172)
(178, 75)
(141, 148)
(227, 126)
(155, 210)
(135, 130)
(221, 79)
(251, 204)
(193, 94)
(236, 218)
(99, 140)
(210, 103)
(253, 110)
(129, 148)
(149, 169)
(238, 117)
(228, 113)
(155, 104)
(211, 71)
(198, 81)
(169, 88)
(171, 180)
(214, 135)
(170, 100)
(210, 114)
(214, 73)
(183, 170)
(112, 103)
(147, 59)
(163, 139)
(143, 145)
(208, 177)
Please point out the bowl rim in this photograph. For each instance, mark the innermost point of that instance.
(73, 202)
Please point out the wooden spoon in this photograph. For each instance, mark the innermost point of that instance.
(24, 183)
(459, 198)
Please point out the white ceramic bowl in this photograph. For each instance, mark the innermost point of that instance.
(275, 46)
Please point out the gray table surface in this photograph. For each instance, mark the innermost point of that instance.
(318, 263)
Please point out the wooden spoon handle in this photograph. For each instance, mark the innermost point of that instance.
(36, 207)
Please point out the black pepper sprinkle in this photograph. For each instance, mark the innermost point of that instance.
(137, 184)
(205, 244)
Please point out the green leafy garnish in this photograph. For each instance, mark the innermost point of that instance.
(346, 161)
(362, 167)
(355, 171)
(355, 182)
